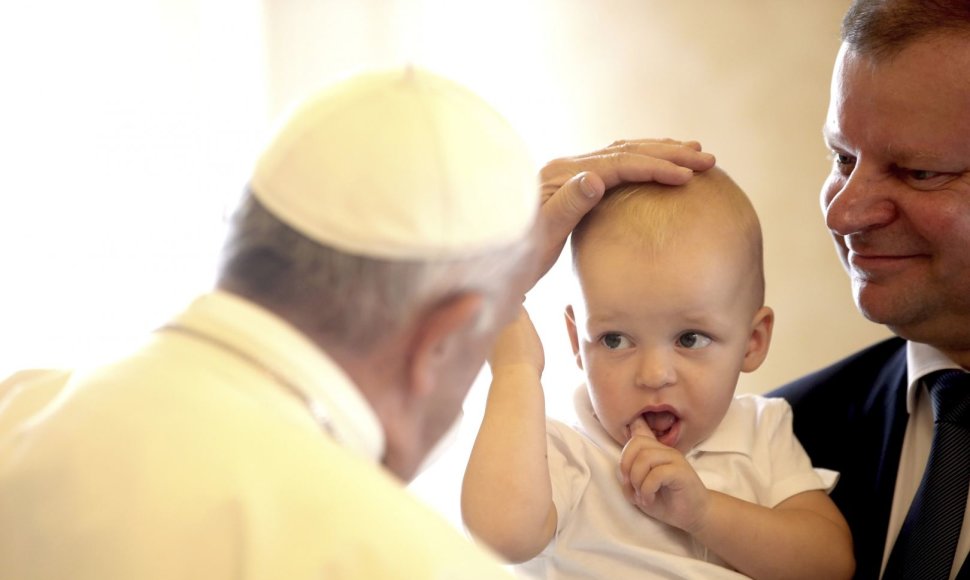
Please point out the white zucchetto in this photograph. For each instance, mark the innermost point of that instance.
(401, 164)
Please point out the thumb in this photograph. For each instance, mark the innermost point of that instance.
(567, 205)
(562, 210)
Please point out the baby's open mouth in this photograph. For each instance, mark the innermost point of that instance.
(660, 422)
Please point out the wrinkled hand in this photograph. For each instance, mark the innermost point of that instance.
(571, 186)
(659, 481)
(518, 344)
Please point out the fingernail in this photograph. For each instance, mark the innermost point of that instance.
(586, 187)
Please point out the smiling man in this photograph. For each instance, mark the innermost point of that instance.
(897, 203)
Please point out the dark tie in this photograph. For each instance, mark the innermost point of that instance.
(928, 538)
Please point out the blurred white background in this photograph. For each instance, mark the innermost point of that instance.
(129, 126)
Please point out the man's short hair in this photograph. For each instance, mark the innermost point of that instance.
(344, 297)
(883, 28)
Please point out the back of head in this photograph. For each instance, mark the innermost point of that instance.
(378, 196)
(882, 28)
(658, 217)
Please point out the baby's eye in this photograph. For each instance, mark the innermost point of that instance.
(615, 341)
(693, 340)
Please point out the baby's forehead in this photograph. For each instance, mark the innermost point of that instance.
(710, 199)
(665, 218)
(677, 284)
(615, 250)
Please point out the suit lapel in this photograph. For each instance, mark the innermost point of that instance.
(872, 462)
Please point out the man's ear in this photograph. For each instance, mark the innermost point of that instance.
(573, 334)
(437, 337)
(760, 339)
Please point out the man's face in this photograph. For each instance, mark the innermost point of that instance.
(462, 361)
(897, 200)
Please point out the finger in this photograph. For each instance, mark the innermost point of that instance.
(695, 145)
(670, 165)
(639, 427)
(684, 153)
(645, 494)
(648, 461)
(571, 202)
(563, 210)
(639, 455)
(631, 494)
(658, 477)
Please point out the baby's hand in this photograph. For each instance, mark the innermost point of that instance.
(518, 344)
(659, 481)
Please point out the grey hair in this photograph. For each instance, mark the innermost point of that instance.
(883, 28)
(348, 298)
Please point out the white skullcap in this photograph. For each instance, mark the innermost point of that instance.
(403, 164)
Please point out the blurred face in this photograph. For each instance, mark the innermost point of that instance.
(466, 336)
(897, 201)
(664, 337)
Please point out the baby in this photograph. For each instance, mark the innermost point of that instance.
(668, 473)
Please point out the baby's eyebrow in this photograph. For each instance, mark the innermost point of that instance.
(606, 318)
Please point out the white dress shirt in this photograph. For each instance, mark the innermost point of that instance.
(753, 455)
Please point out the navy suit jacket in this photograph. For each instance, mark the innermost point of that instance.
(851, 417)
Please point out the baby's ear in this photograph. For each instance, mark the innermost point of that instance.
(760, 339)
(573, 335)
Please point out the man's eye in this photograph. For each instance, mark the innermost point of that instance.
(925, 179)
(922, 174)
(843, 162)
(614, 341)
(693, 340)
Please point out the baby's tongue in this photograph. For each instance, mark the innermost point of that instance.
(659, 421)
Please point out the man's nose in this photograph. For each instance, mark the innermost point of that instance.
(859, 203)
